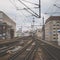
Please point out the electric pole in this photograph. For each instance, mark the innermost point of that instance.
(32, 26)
(43, 30)
(39, 9)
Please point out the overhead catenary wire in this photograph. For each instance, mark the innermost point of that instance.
(50, 8)
(52, 13)
(31, 13)
(21, 12)
(29, 26)
(13, 4)
(56, 6)
(28, 7)
(34, 13)
(57, 12)
(25, 19)
(22, 9)
(31, 2)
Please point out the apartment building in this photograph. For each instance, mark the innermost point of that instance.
(52, 25)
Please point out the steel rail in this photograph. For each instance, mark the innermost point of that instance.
(51, 56)
(32, 57)
(20, 51)
(52, 50)
(4, 50)
(30, 54)
(28, 8)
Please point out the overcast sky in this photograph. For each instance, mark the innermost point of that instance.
(23, 18)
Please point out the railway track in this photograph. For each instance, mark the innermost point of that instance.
(14, 56)
(32, 56)
(26, 54)
(8, 47)
(3, 51)
(51, 51)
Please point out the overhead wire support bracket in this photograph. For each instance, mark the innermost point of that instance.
(31, 2)
(29, 8)
(31, 13)
(39, 9)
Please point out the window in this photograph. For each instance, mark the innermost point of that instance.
(54, 28)
(54, 25)
(57, 24)
(54, 31)
(54, 38)
(54, 34)
(58, 28)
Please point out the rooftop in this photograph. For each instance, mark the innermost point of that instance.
(52, 18)
(8, 17)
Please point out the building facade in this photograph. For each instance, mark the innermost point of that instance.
(11, 25)
(52, 25)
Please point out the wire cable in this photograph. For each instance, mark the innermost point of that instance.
(53, 13)
(50, 8)
(56, 6)
(31, 13)
(13, 4)
(31, 2)
(28, 7)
